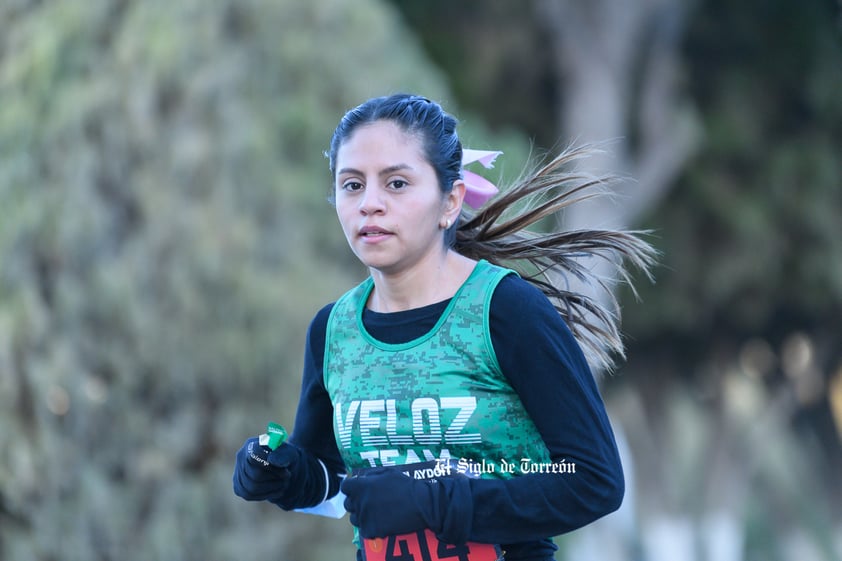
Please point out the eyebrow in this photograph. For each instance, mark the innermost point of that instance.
(384, 171)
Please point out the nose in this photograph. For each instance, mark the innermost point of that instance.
(372, 201)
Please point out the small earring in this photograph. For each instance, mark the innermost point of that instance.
(447, 224)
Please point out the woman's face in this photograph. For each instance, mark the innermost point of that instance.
(388, 198)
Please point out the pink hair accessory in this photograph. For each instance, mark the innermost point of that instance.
(478, 189)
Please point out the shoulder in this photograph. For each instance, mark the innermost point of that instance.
(317, 330)
(513, 295)
(521, 313)
(319, 321)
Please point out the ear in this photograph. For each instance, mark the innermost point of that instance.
(453, 201)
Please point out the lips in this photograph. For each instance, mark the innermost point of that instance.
(373, 232)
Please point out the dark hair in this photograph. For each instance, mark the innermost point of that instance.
(415, 115)
(498, 231)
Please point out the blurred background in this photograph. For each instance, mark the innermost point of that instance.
(165, 238)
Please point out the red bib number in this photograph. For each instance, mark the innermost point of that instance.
(424, 546)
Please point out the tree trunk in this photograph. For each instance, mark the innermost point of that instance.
(618, 65)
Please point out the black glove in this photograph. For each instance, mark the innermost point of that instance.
(263, 474)
(385, 502)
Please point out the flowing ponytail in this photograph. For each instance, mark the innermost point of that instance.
(553, 261)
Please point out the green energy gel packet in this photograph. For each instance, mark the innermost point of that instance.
(274, 436)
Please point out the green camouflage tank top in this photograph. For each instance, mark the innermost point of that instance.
(441, 396)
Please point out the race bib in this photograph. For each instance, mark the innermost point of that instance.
(424, 545)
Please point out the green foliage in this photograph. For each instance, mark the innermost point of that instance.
(164, 240)
(498, 60)
(751, 234)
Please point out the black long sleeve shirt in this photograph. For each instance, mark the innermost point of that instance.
(546, 367)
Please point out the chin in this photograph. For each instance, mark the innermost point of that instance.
(374, 262)
(381, 265)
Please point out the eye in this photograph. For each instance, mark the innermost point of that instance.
(352, 186)
(397, 184)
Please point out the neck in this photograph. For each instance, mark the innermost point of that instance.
(436, 279)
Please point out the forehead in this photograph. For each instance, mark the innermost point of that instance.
(379, 140)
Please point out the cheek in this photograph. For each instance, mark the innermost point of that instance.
(344, 212)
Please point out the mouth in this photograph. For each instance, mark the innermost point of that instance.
(371, 232)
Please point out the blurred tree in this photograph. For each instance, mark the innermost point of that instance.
(753, 261)
(753, 77)
(583, 72)
(620, 63)
(496, 58)
(728, 117)
(761, 197)
(164, 240)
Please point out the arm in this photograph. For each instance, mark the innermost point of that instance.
(304, 471)
(546, 367)
(313, 430)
